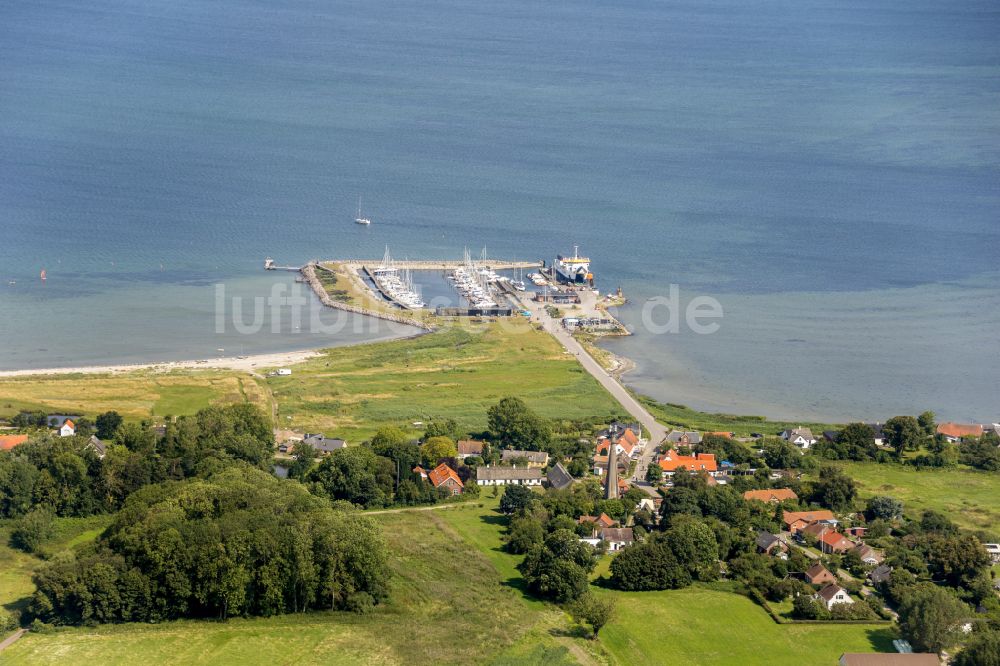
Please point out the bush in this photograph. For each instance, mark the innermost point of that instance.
(32, 530)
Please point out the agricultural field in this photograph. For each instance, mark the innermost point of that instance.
(969, 497)
(134, 395)
(457, 372)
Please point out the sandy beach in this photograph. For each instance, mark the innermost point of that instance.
(246, 364)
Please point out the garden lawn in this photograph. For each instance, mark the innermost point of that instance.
(705, 625)
(969, 497)
(457, 372)
(136, 395)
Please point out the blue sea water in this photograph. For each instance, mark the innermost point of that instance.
(829, 172)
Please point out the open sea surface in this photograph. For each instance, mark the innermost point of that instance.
(829, 172)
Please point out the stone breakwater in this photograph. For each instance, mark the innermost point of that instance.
(309, 273)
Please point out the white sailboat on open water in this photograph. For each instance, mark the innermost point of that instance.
(359, 219)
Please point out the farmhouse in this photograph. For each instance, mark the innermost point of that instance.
(421, 471)
(443, 476)
(533, 458)
(469, 447)
(772, 496)
(817, 574)
(831, 595)
(503, 476)
(97, 446)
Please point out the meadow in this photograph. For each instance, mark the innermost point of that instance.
(457, 372)
(685, 418)
(135, 395)
(969, 497)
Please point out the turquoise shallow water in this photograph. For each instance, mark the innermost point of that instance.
(828, 172)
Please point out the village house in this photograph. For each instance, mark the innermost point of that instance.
(324, 446)
(600, 464)
(469, 447)
(772, 496)
(800, 437)
(8, 442)
(505, 476)
(869, 555)
(831, 595)
(880, 574)
(618, 428)
(856, 531)
(97, 446)
(67, 429)
(559, 477)
(814, 530)
(795, 521)
(421, 471)
(954, 432)
(617, 537)
(817, 574)
(671, 461)
(623, 447)
(771, 544)
(443, 476)
(684, 437)
(537, 459)
(599, 522)
(889, 659)
(993, 550)
(834, 543)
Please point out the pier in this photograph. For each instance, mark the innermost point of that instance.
(437, 264)
(269, 265)
(386, 294)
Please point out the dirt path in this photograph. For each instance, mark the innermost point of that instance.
(433, 507)
(13, 638)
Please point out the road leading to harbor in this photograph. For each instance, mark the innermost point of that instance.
(657, 431)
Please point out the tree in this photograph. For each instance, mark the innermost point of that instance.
(447, 428)
(557, 569)
(902, 433)
(680, 501)
(515, 425)
(32, 530)
(354, 474)
(930, 617)
(834, 489)
(693, 544)
(806, 608)
(983, 649)
(436, 448)
(523, 534)
(594, 610)
(857, 442)
(516, 498)
(883, 507)
(982, 453)
(650, 565)
(387, 437)
(304, 459)
(107, 424)
(654, 473)
(927, 424)
(779, 454)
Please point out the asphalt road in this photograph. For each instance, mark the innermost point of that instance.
(657, 432)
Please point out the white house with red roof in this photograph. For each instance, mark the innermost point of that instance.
(67, 429)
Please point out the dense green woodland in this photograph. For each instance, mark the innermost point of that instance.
(238, 542)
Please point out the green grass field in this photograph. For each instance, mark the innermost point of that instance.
(682, 418)
(704, 625)
(458, 372)
(969, 497)
(134, 395)
(448, 606)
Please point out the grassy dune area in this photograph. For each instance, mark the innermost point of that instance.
(135, 395)
(969, 497)
(457, 372)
